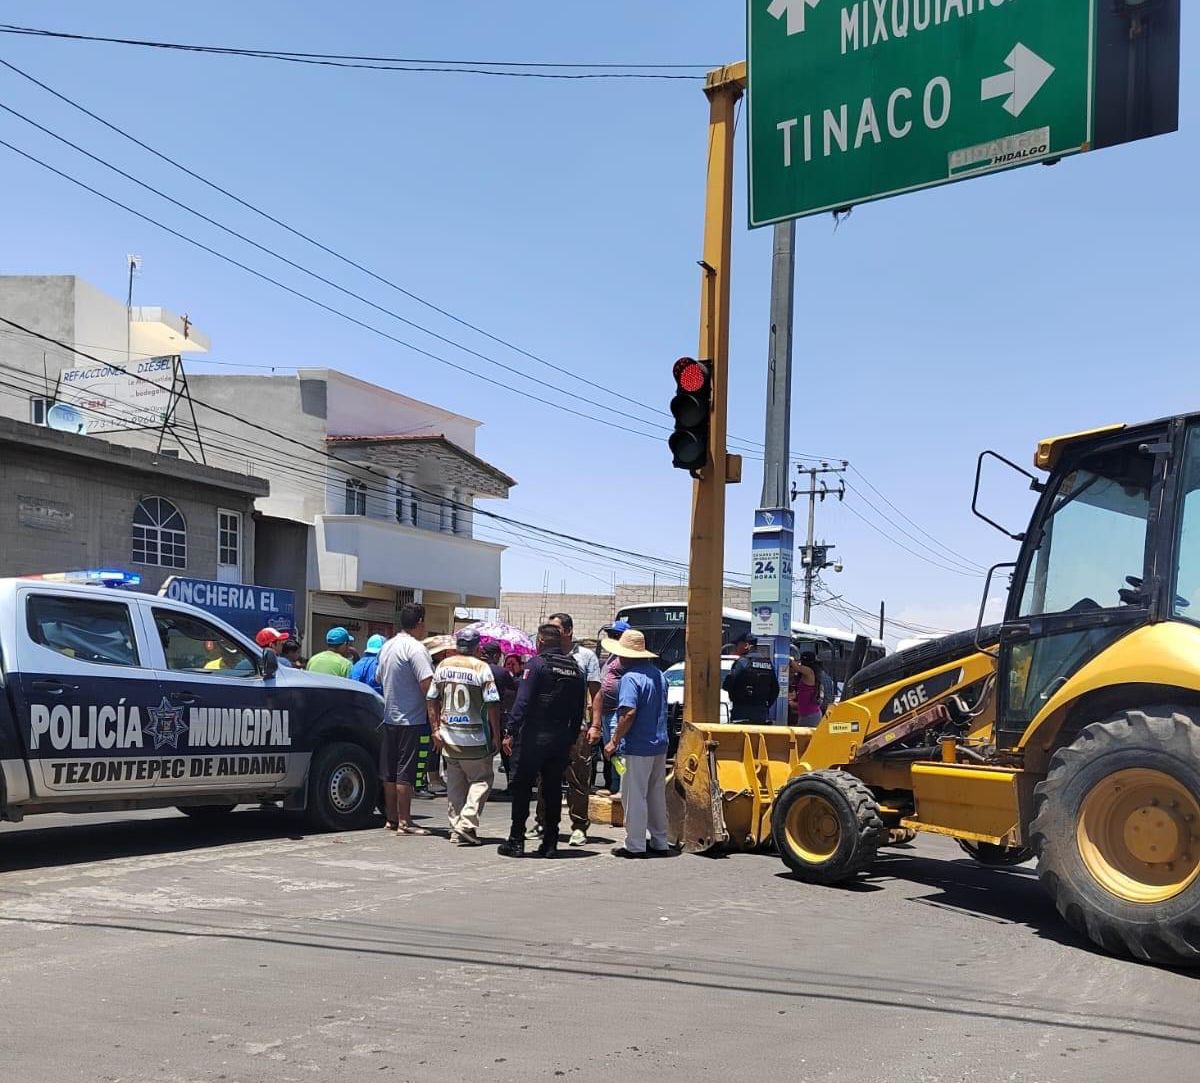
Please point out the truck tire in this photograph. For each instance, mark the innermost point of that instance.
(826, 826)
(206, 813)
(342, 788)
(996, 857)
(1117, 835)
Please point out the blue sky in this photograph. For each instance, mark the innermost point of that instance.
(566, 217)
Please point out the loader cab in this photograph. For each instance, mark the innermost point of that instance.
(1114, 543)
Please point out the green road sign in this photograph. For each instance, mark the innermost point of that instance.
(853, 100)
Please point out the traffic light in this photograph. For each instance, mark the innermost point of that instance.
(691, 408)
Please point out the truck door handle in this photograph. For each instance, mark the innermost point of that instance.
(181, 697)
(54, 687)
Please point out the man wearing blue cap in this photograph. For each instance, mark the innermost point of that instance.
(366, 669)
(335, 658)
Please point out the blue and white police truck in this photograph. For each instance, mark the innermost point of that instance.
(113, 700)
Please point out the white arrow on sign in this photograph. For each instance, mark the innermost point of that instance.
(795, 10)
(1027, 75)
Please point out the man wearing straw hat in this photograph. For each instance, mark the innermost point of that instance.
(641, 738)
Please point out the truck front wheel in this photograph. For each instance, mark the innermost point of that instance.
(1117, 835)
(342, 788)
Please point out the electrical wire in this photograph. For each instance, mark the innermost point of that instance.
(749, 447)
(318, 483)
(559, 537)
(964, 565)
(916, 553)
(321, 304)
(527, 69)
(317, 276)
(961, 564)
(900, 511)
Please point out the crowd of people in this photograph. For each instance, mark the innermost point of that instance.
(453, 703)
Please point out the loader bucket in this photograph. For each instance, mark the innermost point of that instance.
(725, 781)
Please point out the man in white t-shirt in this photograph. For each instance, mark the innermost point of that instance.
(405, 673)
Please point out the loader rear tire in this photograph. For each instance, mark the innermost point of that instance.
(996, 857)
(1117, 835)
(827, 826)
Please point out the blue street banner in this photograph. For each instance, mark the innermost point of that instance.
(246, 607)
(772, 547)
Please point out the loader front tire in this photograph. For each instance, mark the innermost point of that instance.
(1117, 835)
(827, 826)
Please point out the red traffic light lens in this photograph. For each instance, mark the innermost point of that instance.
(690, 375)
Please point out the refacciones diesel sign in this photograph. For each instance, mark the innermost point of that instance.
(853, 100)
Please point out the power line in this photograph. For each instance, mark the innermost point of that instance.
(310, 240)
(313, 274)
(900, 511)
(320, 304)
(751, 448)
(509, 68)
(899, 544)
(956, 562)
(559, 537)
(318, 483)
(751, 451)
(860, 613)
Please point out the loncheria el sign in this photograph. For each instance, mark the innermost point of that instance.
(854, 100)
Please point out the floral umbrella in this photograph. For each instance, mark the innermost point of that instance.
(512, 640)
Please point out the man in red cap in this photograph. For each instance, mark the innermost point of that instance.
(273, 639)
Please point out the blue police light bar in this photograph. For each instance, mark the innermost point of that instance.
(93, 577)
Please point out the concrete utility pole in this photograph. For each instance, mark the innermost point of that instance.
(773, 537)
(779, 369)
(816, 557)
(706, 573)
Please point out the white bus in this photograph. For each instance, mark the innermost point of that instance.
(663, 625)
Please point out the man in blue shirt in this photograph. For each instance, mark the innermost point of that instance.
(640, 739)
(366, 669)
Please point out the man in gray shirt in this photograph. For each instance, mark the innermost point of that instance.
(405, 673)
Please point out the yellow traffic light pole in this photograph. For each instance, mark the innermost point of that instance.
(702, 688)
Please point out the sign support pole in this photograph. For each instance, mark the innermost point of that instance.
(702, 682)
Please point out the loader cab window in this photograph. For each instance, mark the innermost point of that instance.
(1090, 543)
(1187, 544)
(1093, 536)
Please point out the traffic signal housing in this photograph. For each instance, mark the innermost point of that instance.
(692, 410)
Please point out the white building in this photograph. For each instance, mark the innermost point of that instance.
(372, 493)
(372, 490)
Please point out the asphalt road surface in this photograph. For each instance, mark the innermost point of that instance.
(146, 947)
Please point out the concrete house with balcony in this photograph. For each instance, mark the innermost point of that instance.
(371, 506)
(371, 493)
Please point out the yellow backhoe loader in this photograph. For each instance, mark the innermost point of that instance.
(1069, 733)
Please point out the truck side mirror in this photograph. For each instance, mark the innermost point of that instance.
(270, 664)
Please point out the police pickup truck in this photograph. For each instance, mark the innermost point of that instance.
(117, 700)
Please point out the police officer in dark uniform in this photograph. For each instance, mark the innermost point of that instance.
(542, 727)
(752, 683)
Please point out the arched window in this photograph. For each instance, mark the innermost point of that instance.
(356, 497)
(159, 534)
